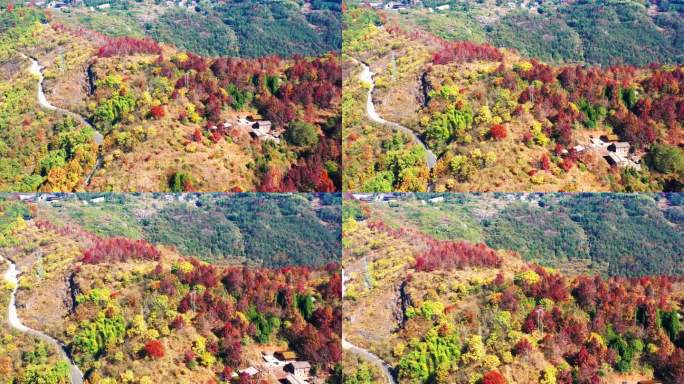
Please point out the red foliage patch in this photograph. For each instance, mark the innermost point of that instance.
(197, 135)
(122, 46)
(498, 132)
(443, 254)
(456, 255)
(158, 112)
(154, 349)
(119, 249)
(466, 51)
(522, 347)
(493, 377)
(545, 162)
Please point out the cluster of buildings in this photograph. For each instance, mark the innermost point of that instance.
(259, 129)
(376, 197)
(283, 366)
(40, 197)
(182, 4)
(405, 4)
(616, 153)
(59, 4)
(394, 5)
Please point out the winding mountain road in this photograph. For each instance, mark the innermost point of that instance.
(37, 70)
(370, 357)
(12, 276)
(367, 76)
(364, 353)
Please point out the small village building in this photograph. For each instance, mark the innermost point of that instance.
(579, 149)
(250, 371)
(363, 196)
(299, 368)
(263, 126)
(620, 148)
(290, 379)
(596, 142)
(614, 159)
(285, 355)
(269, 358)
(395, 6)
(610, 138)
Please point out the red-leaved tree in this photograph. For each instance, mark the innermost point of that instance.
(119, 249)
(493, 377)
(154, 349)
(498, 132)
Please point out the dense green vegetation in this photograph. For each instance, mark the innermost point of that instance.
(627, 234)
(270, 27)
(222, 228)
(206, 35)
(537, 233)
(230, 28)
(594, 31)
(546, 37)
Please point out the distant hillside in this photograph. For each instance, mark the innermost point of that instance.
(611, 234)
(625, 235)
(219, 228)
(227, 28)
(594, 31)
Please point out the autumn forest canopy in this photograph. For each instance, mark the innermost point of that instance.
(501, 117)
(169, 119)
(130, 306)
(514, 288)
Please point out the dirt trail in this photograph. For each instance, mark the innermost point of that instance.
(12, 276)
(367, 76)
(364, 353)
(37, 70)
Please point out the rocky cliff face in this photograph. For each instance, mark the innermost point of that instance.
(404, 301)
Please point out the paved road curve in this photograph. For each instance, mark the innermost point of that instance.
(367, 76)
(371, 357)
(365, 354)
(12, 277)
(37, 70)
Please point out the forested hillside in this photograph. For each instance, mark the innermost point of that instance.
(220, 228)
(129, 114)
(497, 119)
(224, 28)
(611, 234)
(602, 32)
(444, 308)
(131, 311)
